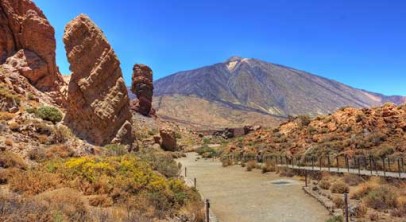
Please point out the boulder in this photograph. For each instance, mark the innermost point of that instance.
(98, 107)
(168, 137)
(142, 87)
(23, 26)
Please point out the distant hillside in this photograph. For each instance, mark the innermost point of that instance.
(255, 91)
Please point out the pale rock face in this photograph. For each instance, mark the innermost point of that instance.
(23, 26)
(98, 104)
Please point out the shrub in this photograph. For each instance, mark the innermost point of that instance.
(100, 201)
(339, 187)
(49, 113)
(338, 201)
(336, 219)
(206, 151)
(116, 149)
(6, 116)
(163, 163)
(352, 179)
(268, 167)
(360, 211)
(381, 198)
(61, 151)
(251, 165)
(225, 162)
(324, 184)
(8, 142)
(11, 160)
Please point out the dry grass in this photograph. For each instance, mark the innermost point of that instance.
(100, 201)
(61, 151)
(324, 184)
(268, 167)
(251, 165)
(11, 160)
(339, 187)
(381, 198)
(338, 201)
(352, 179)
(9, 142)
(6, 116)
(34, 182)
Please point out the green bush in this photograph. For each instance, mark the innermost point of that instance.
(161, 162)
(49, 113)
(206, 151)
(116, 149)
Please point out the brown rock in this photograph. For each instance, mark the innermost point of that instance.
(168, 139)
(143, 88)
(98, 105)
(24, 26)
(157, 139)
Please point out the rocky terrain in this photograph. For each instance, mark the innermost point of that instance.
(70, 147)
(96, 88)
(349, 131)
(248, 91)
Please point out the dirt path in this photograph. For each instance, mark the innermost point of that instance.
(240, 196)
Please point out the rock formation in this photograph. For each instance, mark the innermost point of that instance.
(142, 87)
(168, 136)
(27, 36)
(98, 104)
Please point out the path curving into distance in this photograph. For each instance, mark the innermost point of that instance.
(240, 196)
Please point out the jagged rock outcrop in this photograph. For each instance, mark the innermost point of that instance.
(98, 104)
(168, 136)
(27, 37)
(143, 88)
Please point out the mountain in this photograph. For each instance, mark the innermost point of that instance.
(250, 91)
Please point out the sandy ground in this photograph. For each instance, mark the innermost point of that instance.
(240, 196)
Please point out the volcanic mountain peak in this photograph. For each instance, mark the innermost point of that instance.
(252, 85)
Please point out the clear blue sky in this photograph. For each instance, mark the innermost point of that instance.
(358, 42)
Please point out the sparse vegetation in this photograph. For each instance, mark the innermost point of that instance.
(207, 152)
(339, 187)
(49, 113)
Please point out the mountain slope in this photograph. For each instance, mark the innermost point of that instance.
(254, 86)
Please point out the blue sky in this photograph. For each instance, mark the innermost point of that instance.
(360, 43)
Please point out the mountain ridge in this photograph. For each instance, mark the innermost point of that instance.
(256, 86)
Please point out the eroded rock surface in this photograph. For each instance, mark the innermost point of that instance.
(168, 136)
(98, 104)
(142, 87)
(27, 37)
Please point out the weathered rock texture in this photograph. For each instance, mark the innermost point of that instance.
(168, 136)
(143, 88)
(98, 104)
(27, 36)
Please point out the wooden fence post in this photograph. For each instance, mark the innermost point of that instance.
(195, 182)
(185, 172)
(207, 210)
(383, 166)
(320, 161)
(346, 207)
(389, 169)
(370, 163)
(399, 168)
(338, 165)
(305, 178)
(328, 162)
(347, 163)
(312, 162)
(359, 166)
